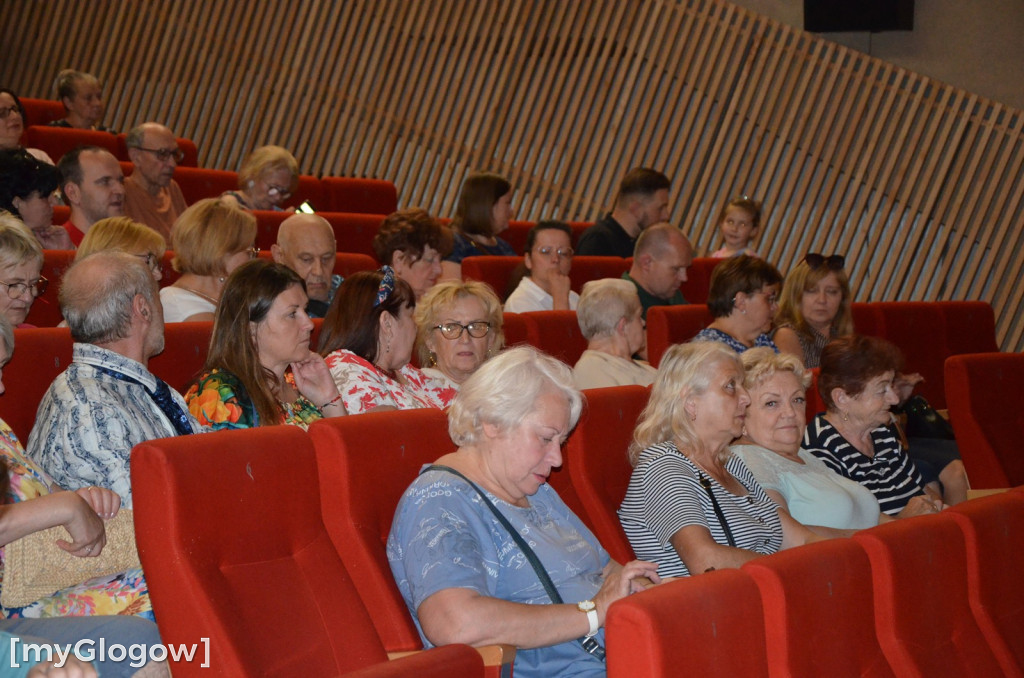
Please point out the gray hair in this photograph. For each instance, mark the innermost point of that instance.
(96, 295)
(603, 304)
(17, 243)
(504, 391)
(135, 135)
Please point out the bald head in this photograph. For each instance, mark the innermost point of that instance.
(660, 259)
(305, 244)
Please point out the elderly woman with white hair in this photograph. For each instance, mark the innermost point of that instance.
(456, 549)
(691, 506)
(21, 262)
(610, 317)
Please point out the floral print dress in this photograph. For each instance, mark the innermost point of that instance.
(219, 400)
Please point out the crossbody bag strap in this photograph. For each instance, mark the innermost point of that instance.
(589, 644)
(706, 484)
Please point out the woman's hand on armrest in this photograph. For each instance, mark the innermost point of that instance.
(700, 552)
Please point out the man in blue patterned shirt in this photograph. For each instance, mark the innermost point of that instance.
(107, 401)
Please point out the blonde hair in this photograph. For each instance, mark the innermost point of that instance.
(685, 370)
(268, 159)
(17, 244)
(206, 233)
(762, 363)
(445, 295)
(121, 233)
(603, 304)
(801, 279)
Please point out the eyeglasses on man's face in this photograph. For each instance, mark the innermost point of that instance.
(18, 289)
(477, 329)
(165, 154)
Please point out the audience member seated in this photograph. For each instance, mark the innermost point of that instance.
(691, 506)
(152, 196)
(455, 547)
(210, 240)
(483, 211)
(121, 233)
(660, 260)
(106, 401)
(92, 185)
(30, 501)
(269, 175)
(853, 437)
(642, 201)
(458, 327)
(742, 301)
(814, 307)
(12, 126)
(795, 479)
(259, 370)
(305, 244)
(26, 191)
(548, 260)
(82, 96)
(611, 320)
(21, 261)
(413, 243)
(739, 221)
(367, 339)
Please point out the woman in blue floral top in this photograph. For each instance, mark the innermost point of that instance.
(259, 370)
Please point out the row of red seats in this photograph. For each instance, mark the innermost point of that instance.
(206, 509)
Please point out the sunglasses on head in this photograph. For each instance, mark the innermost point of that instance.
(833, 263)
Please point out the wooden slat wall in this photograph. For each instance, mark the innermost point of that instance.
(918, 183)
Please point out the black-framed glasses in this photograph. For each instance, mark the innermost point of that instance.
(562, 252)
(35, 288)
(4, 112)
(477, 329)
(165, 154)
(832, 263)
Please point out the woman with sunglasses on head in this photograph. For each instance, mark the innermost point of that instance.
(742, 301)
(458, 328)
(814, 307)
(367, 339)
(268, 176)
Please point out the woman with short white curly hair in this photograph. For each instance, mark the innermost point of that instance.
(611, 319)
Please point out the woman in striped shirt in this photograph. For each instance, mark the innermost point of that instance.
(691, 506)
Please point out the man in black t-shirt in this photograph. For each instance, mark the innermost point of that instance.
(642, 200)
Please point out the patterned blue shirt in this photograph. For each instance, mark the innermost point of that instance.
(712, 334)
(88, 421)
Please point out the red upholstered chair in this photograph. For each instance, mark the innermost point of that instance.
(667, 325)
(365, 196)
(354, 232)
(919, 329)
(597, 462)
(989, 433)
(39, 356)
(923, 619)
(970, 327)
(867, 319)
(185, 349)
(41, 111)
(708, 625)
(310, 189)
(698, 280)
(585, 269)
(516, 329)
(815, 403)
(993, 530)
(267, 223)
(818, 615)
(61, 213)
(516, 233)
(230, 535)
(45, 309)
(495, 271)
(186, 146)
(56, 141)
(577, 229)
(197, 183)
(557, 333)
(169, 274)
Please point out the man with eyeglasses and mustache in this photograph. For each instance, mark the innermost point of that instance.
(92, 184)
(152, 196)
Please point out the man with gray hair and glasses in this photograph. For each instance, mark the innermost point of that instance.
(107, 401)
(152, 196)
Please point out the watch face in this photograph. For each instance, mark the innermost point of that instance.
(586, 605)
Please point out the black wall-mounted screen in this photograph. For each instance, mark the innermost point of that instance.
(835, 16)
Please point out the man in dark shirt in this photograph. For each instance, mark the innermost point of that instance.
(642, 200)
(660, 260)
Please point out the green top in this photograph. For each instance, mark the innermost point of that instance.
(647, 299)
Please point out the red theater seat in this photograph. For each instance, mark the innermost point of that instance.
(585, 269)
(230, 535)
(970, 327)
(867, 319)
(46, 309)
(516, 329)
(698, 280)
(708, 626)
(197, 183)
(557, 333)
(919, 329)
(980, 389)
(310, 188)
(495, 271)
(365, 196)
(185, 348)
(667, 325)
(596, 458)
(56, 141)
(39, 112)
(39, 356)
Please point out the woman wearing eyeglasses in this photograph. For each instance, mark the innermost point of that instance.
(610, 317)
(121, 233)
(12, 126)
(814, 307)
(268, 177)
(548, 261)
(742, 301)
(367, 339)
(21, 261)
(210, 240)
(458, 328)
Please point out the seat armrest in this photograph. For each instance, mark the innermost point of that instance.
(493, 655)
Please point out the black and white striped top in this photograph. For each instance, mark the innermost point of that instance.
(890, 474)
(665, 495)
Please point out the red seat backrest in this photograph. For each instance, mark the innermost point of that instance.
(818, 613)
(56, 141)
(518, 231)
(45, 310)
(709, 626)
(667, 325)
(698, 280)
(557, 333)
(495, 271)
(41, 111)
(365, 463)
(919, 329)
(197, 183)
(39, 356)
(585, 269)
(185, 348)
(354, 232)
(365, 196)
(310, 188)
(867, 319)
(970, 327)
(516, 329)
(596, 457)
(923, 620)
(815, 403)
